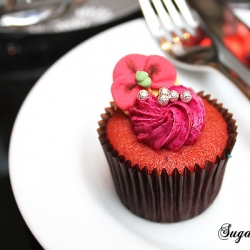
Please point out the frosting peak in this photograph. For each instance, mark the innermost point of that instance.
(171, 125)
(162, 114)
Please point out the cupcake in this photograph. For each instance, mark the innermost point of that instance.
(166, 146)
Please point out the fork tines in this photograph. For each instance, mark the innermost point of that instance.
(170, 20)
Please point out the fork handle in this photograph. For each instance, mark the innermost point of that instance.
(233, 76)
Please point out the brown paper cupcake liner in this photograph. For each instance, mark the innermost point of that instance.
(164, 197)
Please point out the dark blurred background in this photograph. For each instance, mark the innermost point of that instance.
(24, 57)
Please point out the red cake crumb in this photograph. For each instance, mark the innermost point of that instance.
(211, 143)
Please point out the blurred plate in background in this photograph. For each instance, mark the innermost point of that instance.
(80, 14)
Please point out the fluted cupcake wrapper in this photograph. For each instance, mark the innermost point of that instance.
(164, 197)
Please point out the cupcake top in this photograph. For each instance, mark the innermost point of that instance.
(163, 113)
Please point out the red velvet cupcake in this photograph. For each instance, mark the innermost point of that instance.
(167, 147)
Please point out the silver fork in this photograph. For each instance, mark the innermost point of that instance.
(179, 34)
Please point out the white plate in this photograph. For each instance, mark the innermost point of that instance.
(59, 175)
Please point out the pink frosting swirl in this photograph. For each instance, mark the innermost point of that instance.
(169, 126)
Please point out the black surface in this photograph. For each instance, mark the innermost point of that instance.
(23, 59)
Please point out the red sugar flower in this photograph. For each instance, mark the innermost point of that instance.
(125, 86)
